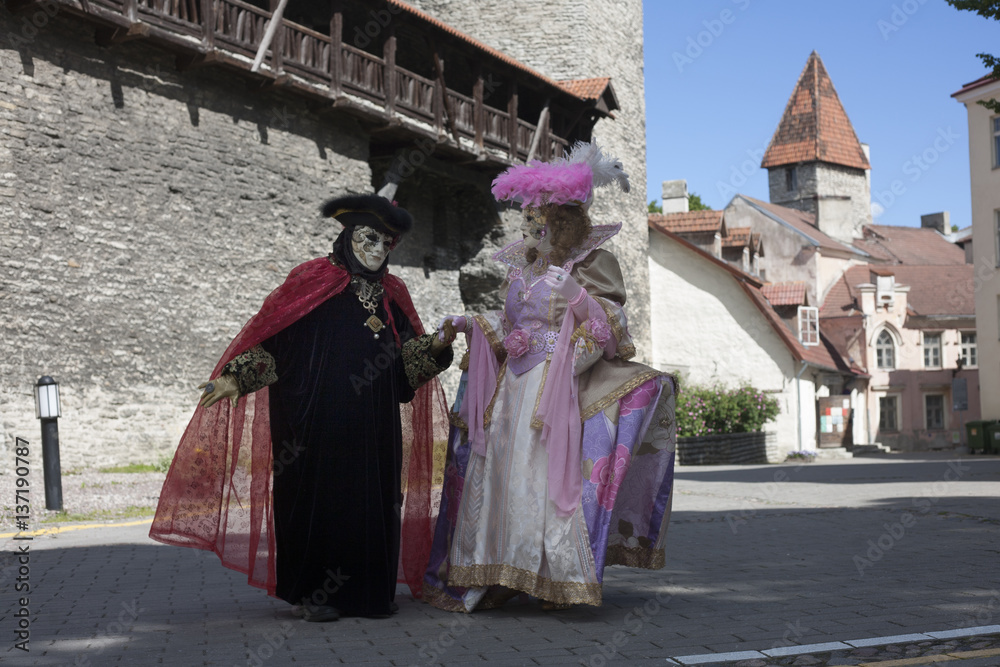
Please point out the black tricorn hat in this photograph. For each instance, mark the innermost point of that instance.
(369, 211)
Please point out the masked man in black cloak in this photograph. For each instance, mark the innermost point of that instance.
(296, 479)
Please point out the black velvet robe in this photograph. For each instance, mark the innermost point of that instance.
(336, 438)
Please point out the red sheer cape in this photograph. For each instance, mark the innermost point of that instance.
(217, 493)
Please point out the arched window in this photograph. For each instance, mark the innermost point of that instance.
(885, 351)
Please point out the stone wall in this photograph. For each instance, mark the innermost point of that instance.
(826, 180)
(729, 448)
(578, 39)
(145, 214)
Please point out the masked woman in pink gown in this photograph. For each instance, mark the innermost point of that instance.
(561, 452)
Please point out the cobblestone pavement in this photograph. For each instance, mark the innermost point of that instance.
(760, 558)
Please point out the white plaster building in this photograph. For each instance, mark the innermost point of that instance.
(984, 169)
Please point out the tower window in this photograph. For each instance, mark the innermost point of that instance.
(885, 351)
(791, 180)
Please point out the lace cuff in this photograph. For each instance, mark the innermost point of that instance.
(418, 362)
(253, 370)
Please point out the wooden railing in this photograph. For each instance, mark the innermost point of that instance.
(238, 27)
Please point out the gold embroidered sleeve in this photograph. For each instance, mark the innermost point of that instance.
(253, 370)
(420, 365)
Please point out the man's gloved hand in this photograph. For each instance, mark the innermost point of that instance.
(459, 324)
(221, 387)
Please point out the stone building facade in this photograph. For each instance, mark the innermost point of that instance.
(147, 211)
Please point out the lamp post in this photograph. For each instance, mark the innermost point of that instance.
(47, 409)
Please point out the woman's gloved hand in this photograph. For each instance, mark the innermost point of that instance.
(215, 390)
(562, 282)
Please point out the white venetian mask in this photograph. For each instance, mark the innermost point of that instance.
(532, 228)
(370, 247)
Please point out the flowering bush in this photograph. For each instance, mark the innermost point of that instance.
(714, 410)
(803, 455)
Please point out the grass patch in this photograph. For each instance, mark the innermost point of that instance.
(130, 512)
(160, 466)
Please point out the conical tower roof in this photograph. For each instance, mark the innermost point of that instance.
(815, 127)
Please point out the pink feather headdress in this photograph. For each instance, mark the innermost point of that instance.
(568, 180)
(540, 183)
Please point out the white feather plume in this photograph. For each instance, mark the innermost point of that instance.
(606, 169)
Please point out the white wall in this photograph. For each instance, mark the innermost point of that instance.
(705, 326)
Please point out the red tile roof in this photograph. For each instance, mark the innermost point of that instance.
(909, 245)
(736, 237)
(989, 78)
(785, 294)
(499, 55)
(947, 290)
(815, 126)
(587, 89)
(690, 221)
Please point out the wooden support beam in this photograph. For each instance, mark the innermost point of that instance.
(207, 24)
(265, 42)
(543, 119)
(477, 104)
(512, 112)
(446, 108)
(188, 61)
(336, 55)
(389, 69)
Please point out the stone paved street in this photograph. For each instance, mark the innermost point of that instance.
(760, 558)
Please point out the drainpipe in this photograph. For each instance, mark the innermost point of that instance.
(798, 400)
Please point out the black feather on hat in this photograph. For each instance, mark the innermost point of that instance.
(369, 211)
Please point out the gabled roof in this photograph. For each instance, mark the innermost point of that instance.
(737, 237)
(935, 291)
(598, 90)
(815, 127)
(802, 222)
(822, 356)
(785, 294)
(689, 221)
(978, 83)
(909, 245)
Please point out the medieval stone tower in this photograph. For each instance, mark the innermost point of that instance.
(815, 162)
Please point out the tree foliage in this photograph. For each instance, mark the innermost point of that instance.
(989, 9)
(695, 203)
(654, 207)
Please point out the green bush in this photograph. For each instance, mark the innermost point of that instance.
(717, 409)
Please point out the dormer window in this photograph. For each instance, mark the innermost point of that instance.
(885, 288)
(809, 325)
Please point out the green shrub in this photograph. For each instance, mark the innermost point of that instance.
(717, 409)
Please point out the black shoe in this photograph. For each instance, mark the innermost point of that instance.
(321, 614)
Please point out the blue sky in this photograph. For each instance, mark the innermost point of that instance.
(894, 64)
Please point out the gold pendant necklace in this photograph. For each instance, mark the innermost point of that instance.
(369, 294)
